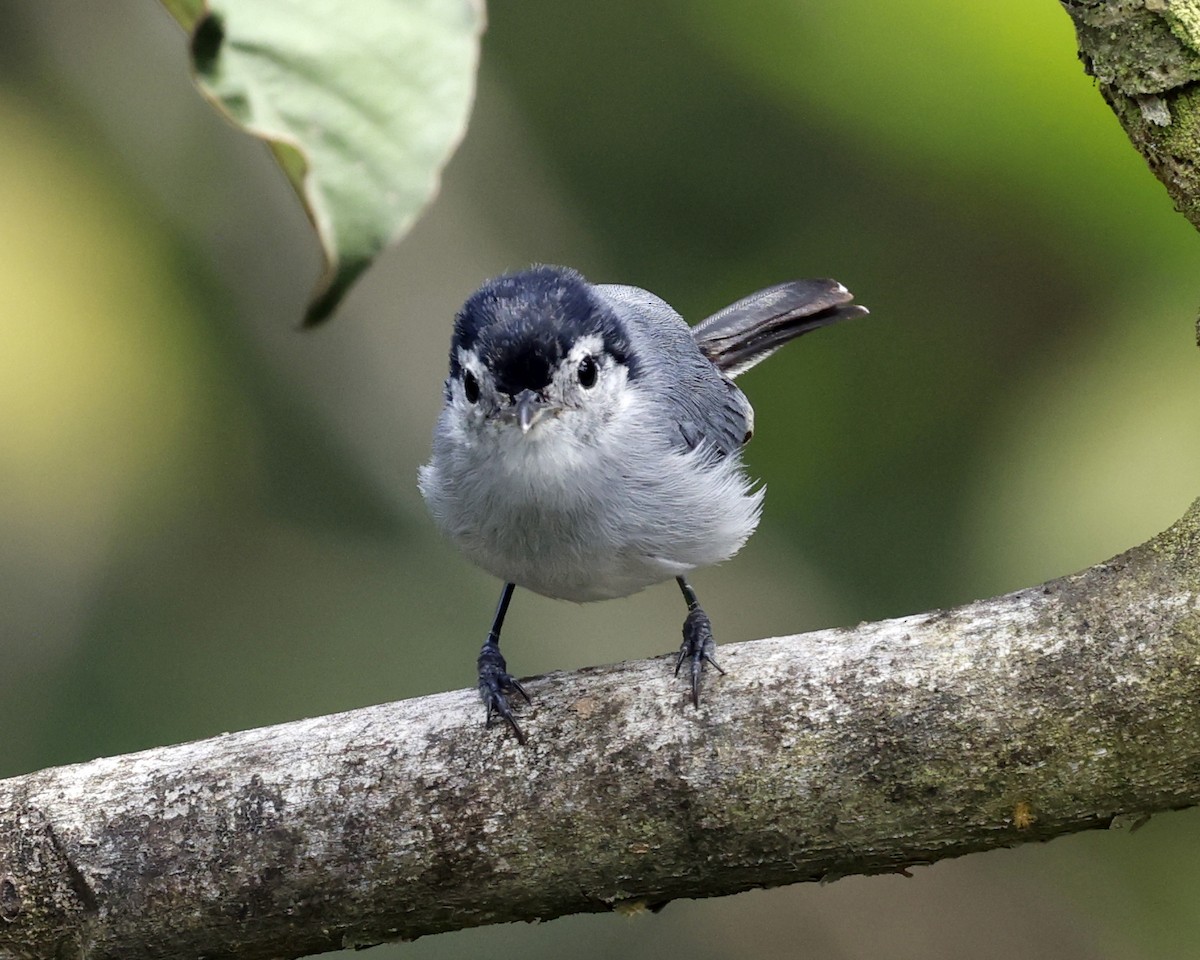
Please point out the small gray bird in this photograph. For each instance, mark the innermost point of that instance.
(590, 442)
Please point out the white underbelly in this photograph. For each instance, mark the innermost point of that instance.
(589, 537)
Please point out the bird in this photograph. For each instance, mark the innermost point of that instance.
(589, 443)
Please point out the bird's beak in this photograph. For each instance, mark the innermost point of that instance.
(529, 408)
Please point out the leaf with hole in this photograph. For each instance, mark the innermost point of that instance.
(361, 104)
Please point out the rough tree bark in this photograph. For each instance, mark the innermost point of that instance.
(1053, 709)
(1049, 710)
(1145, 55)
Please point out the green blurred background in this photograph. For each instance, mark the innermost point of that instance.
(210, 520)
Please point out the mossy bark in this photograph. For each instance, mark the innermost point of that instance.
(1145, 55)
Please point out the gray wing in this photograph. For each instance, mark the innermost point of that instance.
(701, 406)
(749, 331)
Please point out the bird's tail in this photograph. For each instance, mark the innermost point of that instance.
(749, 331)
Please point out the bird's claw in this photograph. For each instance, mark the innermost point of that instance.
(495, 684)
(697, 648)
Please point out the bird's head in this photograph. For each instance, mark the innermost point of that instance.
(537, 354)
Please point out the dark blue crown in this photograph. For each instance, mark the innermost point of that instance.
(523, 324)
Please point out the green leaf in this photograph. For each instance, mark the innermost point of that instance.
(361, 103)
(187, 12)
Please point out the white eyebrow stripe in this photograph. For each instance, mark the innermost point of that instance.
(591, 344)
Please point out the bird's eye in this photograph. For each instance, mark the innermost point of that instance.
(587, 372)
(471, 387)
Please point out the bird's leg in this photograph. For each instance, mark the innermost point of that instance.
(494, 681)
(698, 645)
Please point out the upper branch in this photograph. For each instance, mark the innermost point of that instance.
(859, 750)
(1145, 54)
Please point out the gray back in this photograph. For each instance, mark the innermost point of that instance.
(700, 406)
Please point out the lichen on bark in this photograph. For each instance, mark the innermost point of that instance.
(867, 749)
(1145, 56)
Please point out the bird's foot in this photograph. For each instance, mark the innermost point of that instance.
(697, 649)
(495, 684)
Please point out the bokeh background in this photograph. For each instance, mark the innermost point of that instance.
(209, 520)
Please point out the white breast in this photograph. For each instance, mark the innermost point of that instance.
(586, 521)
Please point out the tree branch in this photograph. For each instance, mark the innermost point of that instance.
(863, 750)
(1145, 54)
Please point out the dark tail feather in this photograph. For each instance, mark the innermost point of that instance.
(749, 331)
